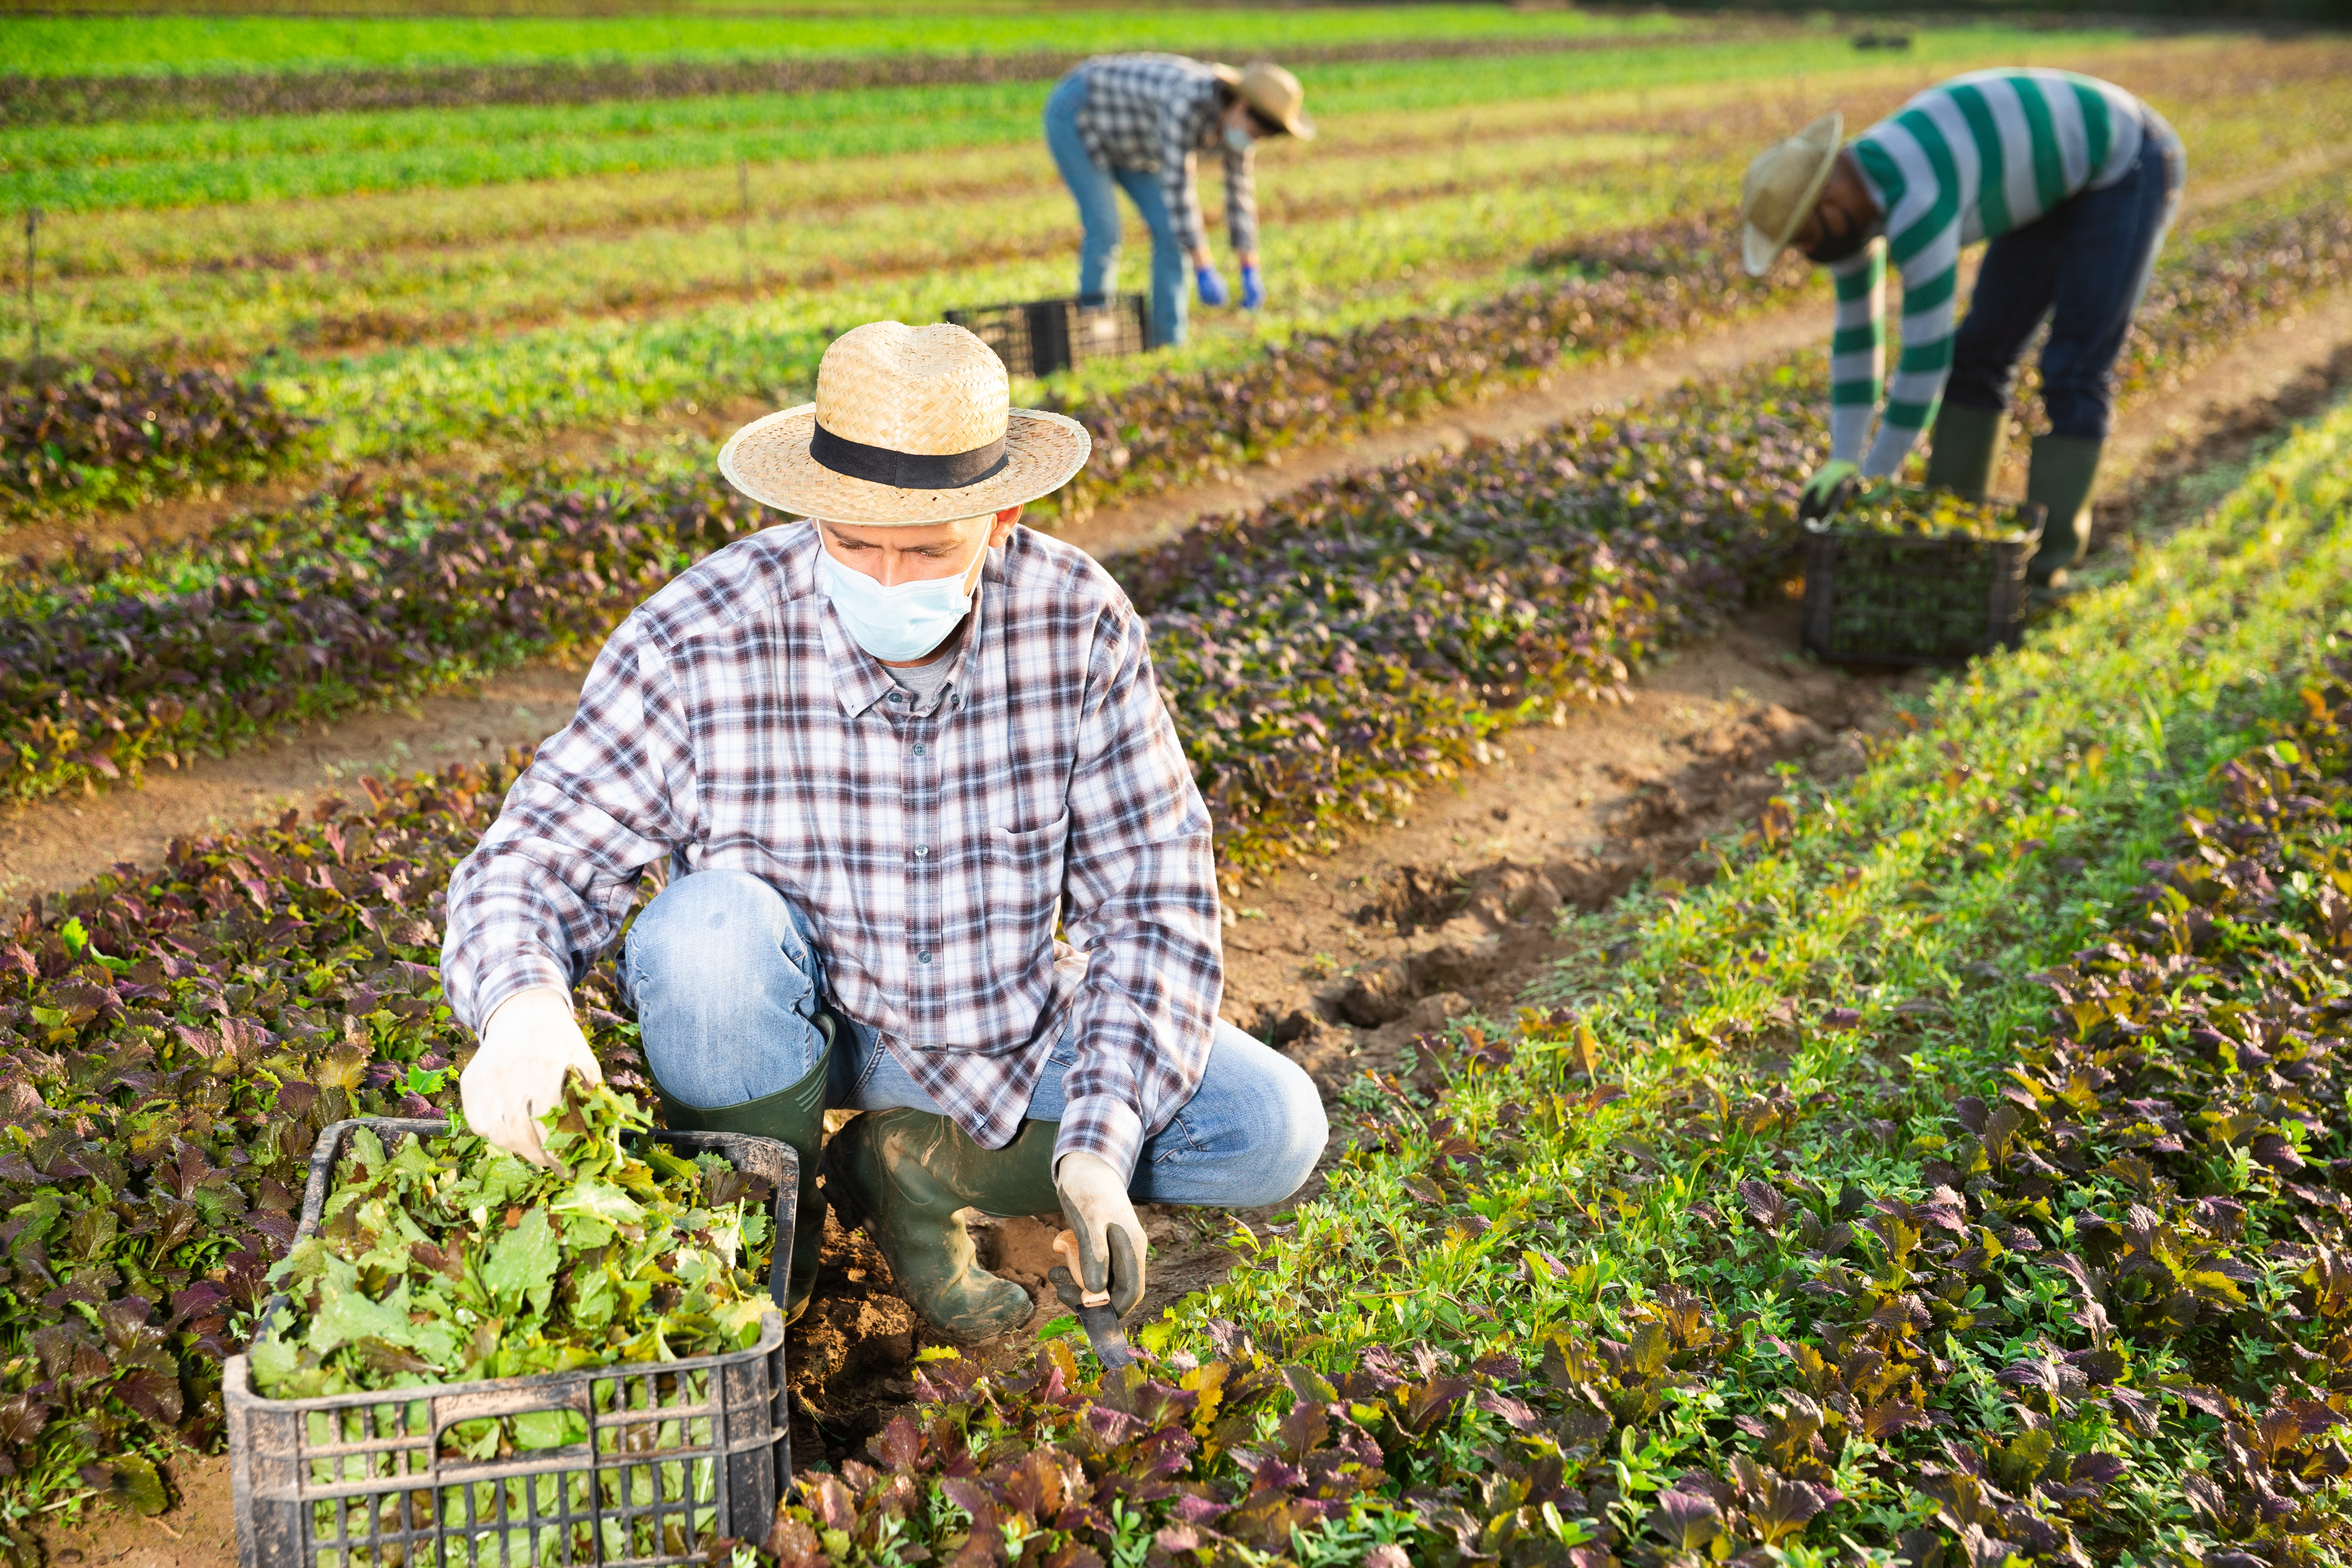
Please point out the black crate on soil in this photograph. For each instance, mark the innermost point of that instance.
(1904, 598)
(1042, 336)
(655, 1461)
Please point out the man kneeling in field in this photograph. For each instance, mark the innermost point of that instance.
(934, 855)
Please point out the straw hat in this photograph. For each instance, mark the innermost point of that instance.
(1781, 186)
(1274, 92)
(911, 425)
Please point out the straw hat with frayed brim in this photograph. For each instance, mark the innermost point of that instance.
(1274, 92)
(1781, 188)
(910, 425)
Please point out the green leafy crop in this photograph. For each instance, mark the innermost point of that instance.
(447, 1259)
(1939, 514)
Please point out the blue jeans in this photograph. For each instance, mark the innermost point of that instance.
(1095, 189)
(724, 975)
(2084, 265)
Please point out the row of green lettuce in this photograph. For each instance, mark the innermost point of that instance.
(1793, 1217)
(111, 435)
(1154, 424)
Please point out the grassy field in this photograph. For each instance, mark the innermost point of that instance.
(184, 163)
(425, 312)
(49, 45)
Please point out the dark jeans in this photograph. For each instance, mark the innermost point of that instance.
(2084, 266)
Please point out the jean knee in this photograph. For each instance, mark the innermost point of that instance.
(1310, 1126)
(1296, 1130)
(712, 926)
(718, 970)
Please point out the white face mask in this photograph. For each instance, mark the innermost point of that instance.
(901, 623)
(1239, 139)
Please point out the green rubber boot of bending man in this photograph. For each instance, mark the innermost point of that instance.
(2064, 468)
(907, 1176)
(1964, 452)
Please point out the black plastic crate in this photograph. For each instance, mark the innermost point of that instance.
(671, 1456)
(1901, 598)
(1041, 336)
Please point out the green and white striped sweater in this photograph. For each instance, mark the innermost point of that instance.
(1969, 159)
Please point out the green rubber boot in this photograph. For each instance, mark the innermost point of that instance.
(794, 1115)
(2063, 470)
(1964, 452)
(907, 1176)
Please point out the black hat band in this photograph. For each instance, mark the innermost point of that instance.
(907, 470)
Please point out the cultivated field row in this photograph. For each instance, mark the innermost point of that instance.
(1821, 1098)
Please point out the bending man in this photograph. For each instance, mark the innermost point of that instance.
(885, 755)
(2073, 180)
(1137, 121)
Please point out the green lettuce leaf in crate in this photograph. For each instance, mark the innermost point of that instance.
(1895, 508)
(445, 1260)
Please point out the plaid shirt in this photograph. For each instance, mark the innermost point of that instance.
(932, 842)
(1154, 113)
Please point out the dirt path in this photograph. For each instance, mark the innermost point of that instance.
(61, 844)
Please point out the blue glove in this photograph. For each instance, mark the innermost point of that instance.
(1253, 288)
(1212, 288)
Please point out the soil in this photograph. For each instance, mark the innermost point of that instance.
(61, 844)
(1342, 960)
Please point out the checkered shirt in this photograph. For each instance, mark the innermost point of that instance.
(933, 842)
(1153, 112)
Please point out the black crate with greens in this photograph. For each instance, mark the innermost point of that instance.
(584, 1363)
(1901, 575)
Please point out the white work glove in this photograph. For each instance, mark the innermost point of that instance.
(529, 1042)
(1104, 1232)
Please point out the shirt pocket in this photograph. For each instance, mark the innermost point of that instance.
(1021, 876)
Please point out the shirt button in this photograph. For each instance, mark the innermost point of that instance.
(922, 850)
(919, 748)
(922, 958)
(897, 697)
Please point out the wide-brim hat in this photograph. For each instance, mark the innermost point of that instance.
(1274, 92)
(1781, 186)
(910, 425)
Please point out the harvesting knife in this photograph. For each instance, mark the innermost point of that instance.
(1093, 1308)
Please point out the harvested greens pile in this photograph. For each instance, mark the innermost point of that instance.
(445, 1260)
(1939, 514)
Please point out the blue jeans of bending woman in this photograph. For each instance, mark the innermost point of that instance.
(2083, 265)
(1096, 190)
(727, 985)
